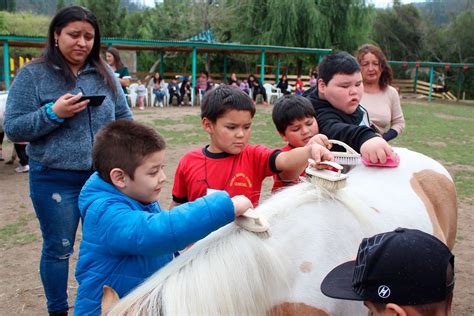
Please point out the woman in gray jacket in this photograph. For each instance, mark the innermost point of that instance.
(44, 107)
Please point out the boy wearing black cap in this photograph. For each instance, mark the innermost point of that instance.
(404, 272)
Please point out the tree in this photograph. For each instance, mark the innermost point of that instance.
(110, 16)
(399, 32)
(8, 5)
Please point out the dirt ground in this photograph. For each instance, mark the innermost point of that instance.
(21, 292)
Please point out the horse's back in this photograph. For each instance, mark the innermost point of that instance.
(419, 193)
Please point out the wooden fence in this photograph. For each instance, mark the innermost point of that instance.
(409, 87)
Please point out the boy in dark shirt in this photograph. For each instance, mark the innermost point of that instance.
(340, 116)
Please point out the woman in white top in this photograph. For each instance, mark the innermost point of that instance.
(380, 99)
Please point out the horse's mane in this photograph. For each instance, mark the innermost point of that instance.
(231, 272)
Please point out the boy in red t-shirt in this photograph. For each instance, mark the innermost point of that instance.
(295, 121)
(228, 162)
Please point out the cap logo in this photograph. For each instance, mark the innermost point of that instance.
(383, 291)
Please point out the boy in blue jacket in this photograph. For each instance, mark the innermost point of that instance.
(126, 237)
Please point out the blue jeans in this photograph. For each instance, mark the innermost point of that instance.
(55, 194)
(160, 94)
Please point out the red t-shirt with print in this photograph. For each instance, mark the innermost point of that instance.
(240, 174)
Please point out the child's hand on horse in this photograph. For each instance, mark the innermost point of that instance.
(241, 204)
(320, 139)
(376, 150)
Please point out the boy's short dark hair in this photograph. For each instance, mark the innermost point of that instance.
(124, 144)
(337, 63)
(289, 108)
(218, 101)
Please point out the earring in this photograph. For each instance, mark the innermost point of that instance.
(56, 43)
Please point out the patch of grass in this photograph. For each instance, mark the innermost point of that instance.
(442, 131)
(14, 233)
(464, 181)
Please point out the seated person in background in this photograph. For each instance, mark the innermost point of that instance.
(233, 81)
(313, 81)
(283, 85)
(244, 86)
(185, 91)
(158, 89)
(299, 85)
(340, 116)
(295, 121)
(405, 273)
(380, 99)
(173, 90)
(257, 88)
(141, 93)
(204, 83)
(126, 237)
(229, 163)
(121, 71)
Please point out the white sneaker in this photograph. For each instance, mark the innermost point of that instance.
(21, 169)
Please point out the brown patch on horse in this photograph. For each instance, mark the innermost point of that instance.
(306, 266)
(109, 298)
(438, 193)
(288, 309)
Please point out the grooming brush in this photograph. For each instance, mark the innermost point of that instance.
(254, 222)
(390, 163)
(350, 157)
(330, 178)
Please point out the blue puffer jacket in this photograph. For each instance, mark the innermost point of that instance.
(124, 241)
(66, 145)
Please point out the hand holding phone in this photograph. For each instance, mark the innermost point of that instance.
(94, 100)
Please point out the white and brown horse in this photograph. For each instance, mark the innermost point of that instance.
(235, 272)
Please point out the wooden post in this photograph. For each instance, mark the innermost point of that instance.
(415, 85)
(194, 74)
(431, 83)
(162, 66)
(277, 74)
(6, 65)
(225, 68)
(459, 83)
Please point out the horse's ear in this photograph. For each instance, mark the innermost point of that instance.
(109, 298)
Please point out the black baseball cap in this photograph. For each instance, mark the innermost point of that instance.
(405, 267)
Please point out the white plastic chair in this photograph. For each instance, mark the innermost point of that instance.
(132, 94)
(272, 92)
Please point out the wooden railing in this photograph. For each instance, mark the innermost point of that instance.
(407, 86)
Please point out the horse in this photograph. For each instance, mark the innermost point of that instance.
(236, 272)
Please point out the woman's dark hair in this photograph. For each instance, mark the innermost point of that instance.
(117, 60)
(387, 74)
(157, 80)
(53, 56)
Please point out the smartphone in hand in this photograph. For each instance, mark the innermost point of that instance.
(94, 100)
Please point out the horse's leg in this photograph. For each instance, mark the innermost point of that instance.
(438, 193)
